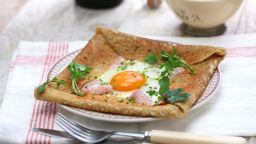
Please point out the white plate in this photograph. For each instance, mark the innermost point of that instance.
(62, 63)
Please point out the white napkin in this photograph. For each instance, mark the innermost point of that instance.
(4, 62)
(231, 111)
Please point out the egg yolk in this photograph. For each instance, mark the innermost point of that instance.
(127, 81)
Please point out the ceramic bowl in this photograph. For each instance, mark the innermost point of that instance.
(204, 14)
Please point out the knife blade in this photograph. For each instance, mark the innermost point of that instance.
(67, 136)
(54, 133)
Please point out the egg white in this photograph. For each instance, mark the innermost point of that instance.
(151, 72)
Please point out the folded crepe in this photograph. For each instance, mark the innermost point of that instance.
(107, 45)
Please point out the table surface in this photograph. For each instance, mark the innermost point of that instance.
(9, 10)
(61, 20)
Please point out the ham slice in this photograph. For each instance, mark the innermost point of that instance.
(116, 63)
(94, 87)
(141, 98)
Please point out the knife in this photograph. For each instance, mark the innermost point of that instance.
(67, 136)
(54, 133)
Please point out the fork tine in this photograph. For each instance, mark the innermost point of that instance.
(81, 133)
(72, 131)
(63, 118)
(73, 126)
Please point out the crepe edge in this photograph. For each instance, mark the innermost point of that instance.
(60, 97)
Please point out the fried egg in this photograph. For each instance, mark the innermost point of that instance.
(130, 79)
(128, 76)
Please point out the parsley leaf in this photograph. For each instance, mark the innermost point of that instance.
(176, 95)
(152, 92)
(129, 62)
(151, 59)
(164, 83)
(103, 82)
(78, 71)
(59, 82)
(41, 88)
(171, 61)
(176, 61)
(122, 67)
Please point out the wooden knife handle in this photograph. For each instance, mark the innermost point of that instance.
(169, 137)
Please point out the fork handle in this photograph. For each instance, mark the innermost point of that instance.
(169, 137)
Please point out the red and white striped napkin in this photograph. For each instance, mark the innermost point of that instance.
(20, 111)
(231, 111)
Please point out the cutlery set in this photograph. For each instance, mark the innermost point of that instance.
(72, 140)
(80, 134)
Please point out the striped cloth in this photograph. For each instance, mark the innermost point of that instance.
(43, 112)
(32, 61)
(20, 111)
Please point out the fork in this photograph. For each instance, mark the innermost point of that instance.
(154, 136)
(89, 135)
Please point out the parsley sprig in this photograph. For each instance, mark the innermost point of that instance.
(122, 67)
(150, 59)
(41, 88)
(78, 71)
(175, 60)
(176, 95)
(170, 62)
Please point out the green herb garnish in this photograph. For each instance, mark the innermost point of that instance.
(160, 98)
(176, 95)
(41, 88)
(121, 67)
(103, 82)
(131, 100)
(151, 59)
(171, 61)
(152, 92)
(129, 62)
(164, 83)
(78, 71)
(176, 61)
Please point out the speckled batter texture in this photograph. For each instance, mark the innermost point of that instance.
(106, 45)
